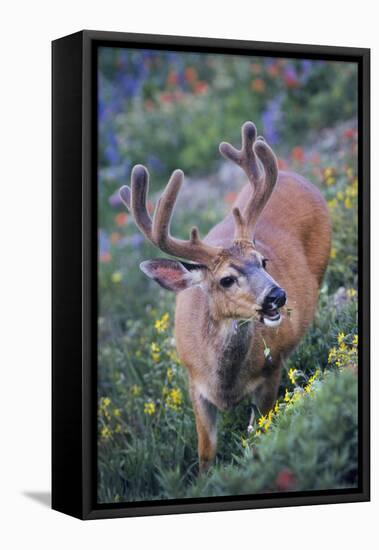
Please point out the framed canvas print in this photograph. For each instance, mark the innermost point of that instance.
(210, 274)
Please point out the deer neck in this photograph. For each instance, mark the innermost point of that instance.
(231, 340)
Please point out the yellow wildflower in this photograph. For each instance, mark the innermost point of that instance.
(105, 432)
(332, 203)
(117, 412)
(106, 401)
(149, 408)
(155, 351)
(135, 390)
(348, 204)
(169, 374)
(287, 397)
(340, 337)
(174, 399)
(333, 253)
(161, 325)
(116, 277)
(330, 180)
(292, 375)
(351, 293)
(355, 340)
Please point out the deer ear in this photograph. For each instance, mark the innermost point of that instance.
(172, 274)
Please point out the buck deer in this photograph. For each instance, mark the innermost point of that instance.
(271, 250)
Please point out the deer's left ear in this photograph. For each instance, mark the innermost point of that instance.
(172, 274)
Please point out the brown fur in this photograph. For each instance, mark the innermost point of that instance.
(294, 233)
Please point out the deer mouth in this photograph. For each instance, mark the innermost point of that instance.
(271, 317)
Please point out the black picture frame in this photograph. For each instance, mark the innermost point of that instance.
(74, 273)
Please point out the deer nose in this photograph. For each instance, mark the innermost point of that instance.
(275, 298)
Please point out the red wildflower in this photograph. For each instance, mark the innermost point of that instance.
(167, 98)
(190, 74)
(200, 87)
(172, 78)
(349, 133)
(121, 219)
(258, 85)
(298, 154)
(273, 69)
(105, 257)
(285, 480)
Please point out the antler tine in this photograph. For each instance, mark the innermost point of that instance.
(194, 249)
(245, 157)
(157, 230)
(135, 199)
(254, 155)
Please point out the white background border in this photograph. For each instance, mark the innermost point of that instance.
(25, 109)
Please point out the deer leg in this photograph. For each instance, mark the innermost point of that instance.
(265, 395)
(206, 426)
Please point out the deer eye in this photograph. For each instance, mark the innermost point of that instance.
(264, 262)
(227, 282)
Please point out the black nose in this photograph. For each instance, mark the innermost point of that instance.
(275, 298)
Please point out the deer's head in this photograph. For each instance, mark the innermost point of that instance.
(234, 278)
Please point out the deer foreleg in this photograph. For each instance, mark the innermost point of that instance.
(206, 426)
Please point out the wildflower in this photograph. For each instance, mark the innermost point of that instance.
(258, 85)
(121, 219)
(332, 203)
(200, 87)
(118, 429)
(333, 253)
(351, 293)
(174, 399)
(190, 74)
(330, 180)
(155, 351)
(172, 78)
(161, 324)
(105, 432)
(262, 421)
(355, 340)
(292, 375)
(149, 408)
(169, 374)
(116, 277)
(298, 154)
(106, 401)
(105, 257)
(135, 390)
(171, 354)
(287, 397)
(340, 337)
(276, 408)
(117, 412)
(348, 204)
(285, 480)
(328, 172)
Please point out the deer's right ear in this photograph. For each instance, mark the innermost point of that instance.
(172, 274)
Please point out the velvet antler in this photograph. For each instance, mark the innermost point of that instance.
(259, 163)
(157, 230)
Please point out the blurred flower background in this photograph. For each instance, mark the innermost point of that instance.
(170, 110)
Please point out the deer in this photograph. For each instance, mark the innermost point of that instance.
(250, 285)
